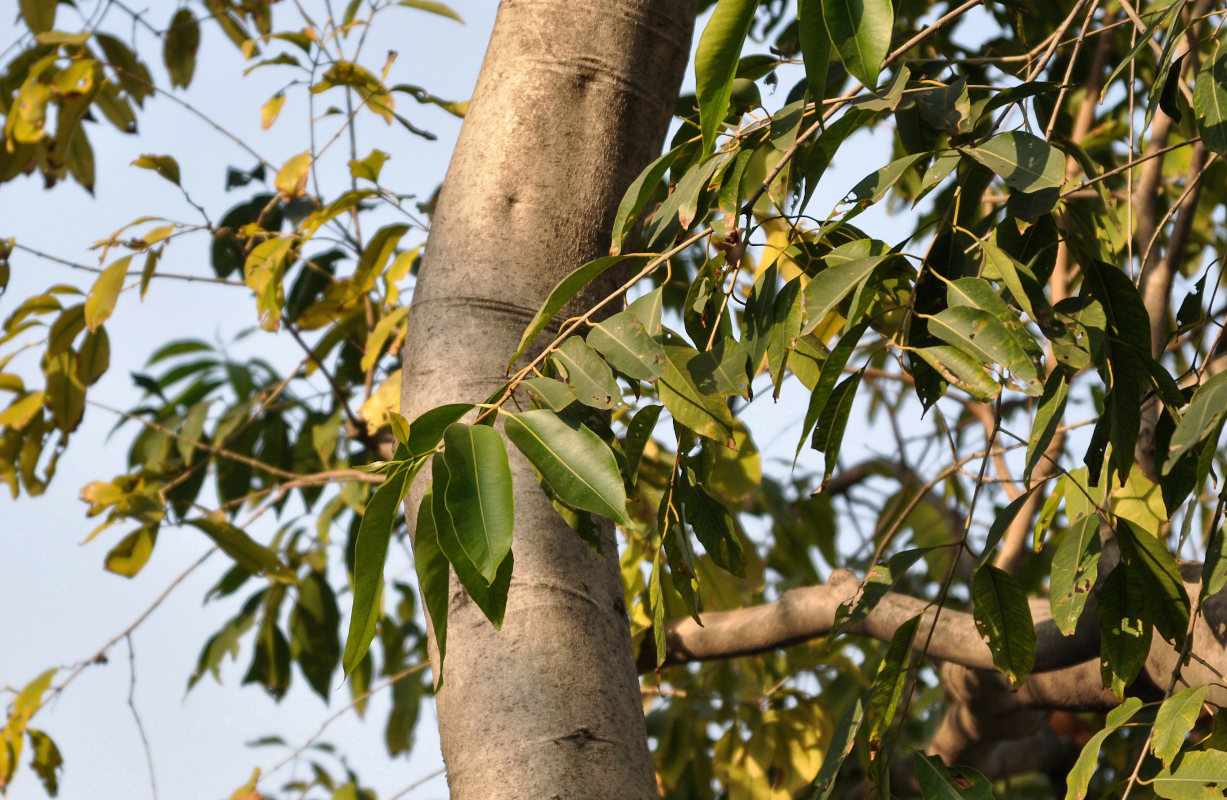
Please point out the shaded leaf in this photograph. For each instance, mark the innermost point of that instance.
(179, 46)
(1003, 618)
(1075, 568)
(1024, 161)
(255, 558)
(166, 166)
(705, 414)
(628, 347)
(1210, 102)
(939, 782)
(477, 495)
(587, 374)
(131, 554)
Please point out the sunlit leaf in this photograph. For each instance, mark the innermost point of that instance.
(1075, 567)
(861, 32)
(1175, 720)
(478, 495)
(101, 300)
(705, 414)
(166, 166)
(1210, 102)
(1200, 775)
(576, 464)
(715, 62)
(291, 179)
(133, 551)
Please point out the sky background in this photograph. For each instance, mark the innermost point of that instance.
(59, 605)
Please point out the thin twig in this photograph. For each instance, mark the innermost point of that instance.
(134, 274)
(140, 728)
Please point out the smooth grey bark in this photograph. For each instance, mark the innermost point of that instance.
(573, 100)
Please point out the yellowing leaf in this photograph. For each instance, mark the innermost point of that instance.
(101, 300)
(270, 110)
(21, 410)
(292, 177)
(166, 166)
(384, 399)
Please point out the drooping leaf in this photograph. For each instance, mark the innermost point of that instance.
(434, 573)
(637, 196)
(433, 7)
(939, 782)
(638, 432)
(1079, 779)
(1075, 568)
(1048, 417)
(830, 286)
(829, 432)
(490, 596)
(587, 374)
(1201, 417)
(478, 496)
(370, 555)
(715, 62)
(722, 369)
(1167, 603)
(705, 414)
(179, 46)
(1210, 102)
(1126, 630)
(576, 464)
(890, 682)
(831, 371)
(861, 32)
(166, 166)
(426, 431)
(1024, 161)
(1003, 618)
(254, 557)
(815, 46)
(47, 762)
(713, 525)
(105, 292)
(566, 289)
(961, 370)
(132, 553)
(628, 347)
(1175, 720)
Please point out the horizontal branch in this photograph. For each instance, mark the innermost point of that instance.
(807, 613)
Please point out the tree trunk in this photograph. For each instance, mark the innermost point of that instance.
(573, 100)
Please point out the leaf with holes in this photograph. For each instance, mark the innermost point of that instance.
(1003, 618)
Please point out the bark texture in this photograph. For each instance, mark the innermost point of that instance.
(574, 99)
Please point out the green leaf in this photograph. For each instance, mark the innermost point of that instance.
(434, 574)
(939, 782)
(1024, 161)
(370, 555)
(47, 761)
(490, 596)
(179, 47)
(628, 347)
(638, 432)
(38, 14)
(656, 604)
(829, 433)
(166, 166)
(889, 683)
(433, 7)
(566, 289)
(985, 337)
(576, 464)
(874, 186)
(255, 558)
(105, 292)
(587, 374)
(815, 46)
(1146, 555)
(1001, 522)
(682, 204)
(961, 370)
(553, 394)
(1048, 418)
(1210, 102)
(705, 414)
(133, 551)
(478, 495)
(830, 372)
(1075, 567)
(715, 62)
(1201, 417)
(722, 369)
(861, 31)
(637, 195)
(426, 431)
(1126, 630)
(1079, 779)
(369, 167)
(830, 286)
(1175, 720)
(1003, 618)
(713, 525)
(1200, 775)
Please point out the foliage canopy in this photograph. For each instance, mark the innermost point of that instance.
(1029, 379)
